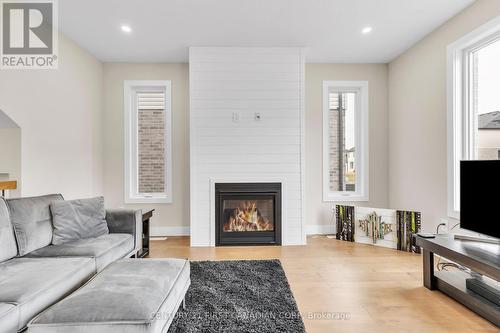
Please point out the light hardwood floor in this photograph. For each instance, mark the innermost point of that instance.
(380, 289)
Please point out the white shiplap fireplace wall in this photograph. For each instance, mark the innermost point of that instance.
(230, 88)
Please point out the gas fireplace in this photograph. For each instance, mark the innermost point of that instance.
(248, 214)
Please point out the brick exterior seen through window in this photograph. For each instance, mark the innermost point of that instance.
(151, 145)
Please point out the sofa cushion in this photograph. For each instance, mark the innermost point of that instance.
(8, 247)
(105, 249)
(9, 314)
(130, 295)
(32, 221)
(33, 284)
(78, 219)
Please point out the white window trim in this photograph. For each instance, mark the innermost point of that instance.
(362, 145)
(461, 117)
(130, 123)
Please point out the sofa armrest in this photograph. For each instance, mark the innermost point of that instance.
(126, 221)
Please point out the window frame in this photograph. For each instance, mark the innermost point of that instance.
(462, 120)
(131, 175)
(361, 138)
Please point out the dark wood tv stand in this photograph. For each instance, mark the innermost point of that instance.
(482, 258)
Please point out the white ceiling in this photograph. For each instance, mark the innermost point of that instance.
(330, 29)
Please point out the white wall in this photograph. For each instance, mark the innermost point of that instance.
(173, 219)
(318, 212)
(245, 81)
(10, 153)
(417, 117)
(169, 219)
(59, 112)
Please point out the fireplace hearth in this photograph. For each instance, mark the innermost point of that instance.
(248, 214)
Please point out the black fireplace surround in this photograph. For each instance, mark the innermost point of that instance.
(247, 214)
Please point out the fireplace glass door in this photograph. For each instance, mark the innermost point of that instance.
(248, 214)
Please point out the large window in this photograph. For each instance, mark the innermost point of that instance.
(148, 142)
(345, 141)
(473, 104)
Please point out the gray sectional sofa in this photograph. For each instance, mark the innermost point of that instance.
(35, 274)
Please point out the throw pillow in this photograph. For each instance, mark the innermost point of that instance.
(78, 219)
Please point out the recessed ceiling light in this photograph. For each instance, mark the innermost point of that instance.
(126, 28)
(366, 30)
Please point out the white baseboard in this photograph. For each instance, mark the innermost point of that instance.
(320, 229)
(169, 231)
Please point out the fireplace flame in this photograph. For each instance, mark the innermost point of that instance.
(247, 218)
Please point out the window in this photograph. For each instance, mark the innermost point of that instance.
(345, 141)
(148, 142)
(473, 103)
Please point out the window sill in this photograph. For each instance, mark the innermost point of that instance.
(345, 198)
(148, 200)
(454, 214)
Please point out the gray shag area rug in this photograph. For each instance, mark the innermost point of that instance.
(238, 296)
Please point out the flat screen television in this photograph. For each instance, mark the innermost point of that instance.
(480, 197)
